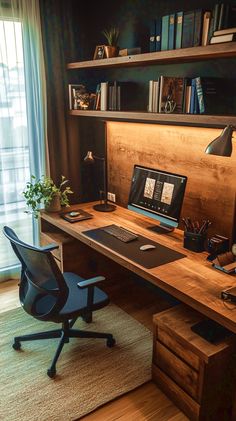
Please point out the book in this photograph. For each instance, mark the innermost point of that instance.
(152, 38)
(73, 94)
(198, 21)
(158, 34)
(150, 96)
(221, 12)
(171, 91)
(179, 27)
(206, 27)
(215, 16)
(104, 96)
(188, 29)
(224, 32)
(171, 32)
(223, 38)
(215, 95)
(188, 91)
(129, 51)
(193, 96)
(155, 98)
(164, 33)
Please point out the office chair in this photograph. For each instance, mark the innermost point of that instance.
(47, 294)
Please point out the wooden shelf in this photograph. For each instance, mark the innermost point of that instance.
(181, 55)
(180, 119)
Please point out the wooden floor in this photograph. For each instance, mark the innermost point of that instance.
(147, 402)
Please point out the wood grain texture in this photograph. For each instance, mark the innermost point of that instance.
(191, 280)
(210, 191)
(212, 386)
(143, 116)
(176, 393)
(184, 375)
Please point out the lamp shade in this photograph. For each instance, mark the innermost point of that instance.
(89, 158)
(222, 145)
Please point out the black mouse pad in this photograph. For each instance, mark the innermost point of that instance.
(149, 259)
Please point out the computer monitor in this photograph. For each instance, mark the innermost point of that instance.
(159, 195)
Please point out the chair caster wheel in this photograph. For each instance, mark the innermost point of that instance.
(111, 342)
(51, 373)
(16, 346)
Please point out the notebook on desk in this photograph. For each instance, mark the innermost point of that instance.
(158, 256)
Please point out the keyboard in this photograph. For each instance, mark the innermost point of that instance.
(120, 233)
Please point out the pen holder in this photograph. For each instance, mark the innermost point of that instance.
(194, 242)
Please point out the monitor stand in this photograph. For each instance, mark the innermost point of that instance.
(161, 229)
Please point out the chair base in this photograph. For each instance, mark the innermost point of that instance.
(65, 334)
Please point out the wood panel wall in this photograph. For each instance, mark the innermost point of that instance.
(211, 186)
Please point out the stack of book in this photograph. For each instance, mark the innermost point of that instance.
(192, 28)
(200, 95)
(115, 96)
(224, 35)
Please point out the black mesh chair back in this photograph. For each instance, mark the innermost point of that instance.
(43, 290)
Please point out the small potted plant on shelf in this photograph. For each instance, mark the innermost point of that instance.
(112, 36)
(44, 192)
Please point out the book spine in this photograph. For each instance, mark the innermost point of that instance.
(216, 11)
(70, 97)
(226, 17)
(199, 92)
(192, 99)
(158, 34)
(205, 28)
(161, 105)
(221, 16)
(104, 96)
(171, 33)
(179, 27)
(118, 98)
(152, 43)
(223, 38)
(164, 33)
(188, 29)
(156, 96)
(197, 36)
(150, 109)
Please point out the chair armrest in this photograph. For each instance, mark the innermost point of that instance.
(49, 247)
(90, 282)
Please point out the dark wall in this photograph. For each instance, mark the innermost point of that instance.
(76, 28)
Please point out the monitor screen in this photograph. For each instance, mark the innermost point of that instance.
(157, 194)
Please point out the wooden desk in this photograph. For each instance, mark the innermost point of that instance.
(191, 280)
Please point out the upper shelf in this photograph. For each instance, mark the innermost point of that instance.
(183, 119)
(181, 55)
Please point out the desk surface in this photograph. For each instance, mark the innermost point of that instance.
(191, 280)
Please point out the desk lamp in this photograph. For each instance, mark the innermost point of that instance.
(101, 207)
(222, 145)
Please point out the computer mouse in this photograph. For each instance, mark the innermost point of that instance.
(147, 247)
(73, 214)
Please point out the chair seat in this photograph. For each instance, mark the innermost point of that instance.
(77, 299)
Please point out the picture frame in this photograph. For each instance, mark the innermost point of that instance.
(99, 52)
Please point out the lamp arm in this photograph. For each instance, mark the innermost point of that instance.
(99, 158)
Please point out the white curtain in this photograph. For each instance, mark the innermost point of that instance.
(22, 119)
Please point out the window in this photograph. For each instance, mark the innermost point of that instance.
(14, 145)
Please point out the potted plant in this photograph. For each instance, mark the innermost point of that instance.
(44, 192)
(112, 36)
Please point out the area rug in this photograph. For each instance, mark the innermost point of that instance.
(89, 373)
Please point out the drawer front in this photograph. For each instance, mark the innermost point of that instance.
(178, 348)
(45, 240)
(184, 375)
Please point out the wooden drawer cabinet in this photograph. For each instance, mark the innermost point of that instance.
(190, 370)
(66, 256)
